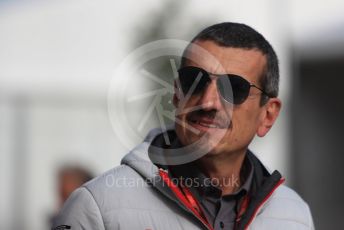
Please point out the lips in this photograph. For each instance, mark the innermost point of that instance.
(208, 125)
(204, 123)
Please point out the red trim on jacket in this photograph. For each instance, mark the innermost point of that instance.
(188, 200)
(193, 205)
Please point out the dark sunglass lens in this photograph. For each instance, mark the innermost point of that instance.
(225, 88)
(233, 89)
(193, 79)
(240, 87)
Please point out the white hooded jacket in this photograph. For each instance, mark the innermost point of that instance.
(134, 196)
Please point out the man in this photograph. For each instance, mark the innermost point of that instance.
(225, 188)
(69, 178)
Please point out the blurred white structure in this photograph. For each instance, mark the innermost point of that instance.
(56, 62)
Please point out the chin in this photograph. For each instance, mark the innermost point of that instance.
(188, 138)
(214, 150)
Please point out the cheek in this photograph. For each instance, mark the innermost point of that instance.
(245, 122)
(182, 131)
(184, 106)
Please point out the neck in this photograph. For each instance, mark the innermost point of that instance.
(223, 169)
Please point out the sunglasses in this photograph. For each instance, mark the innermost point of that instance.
(232, 88)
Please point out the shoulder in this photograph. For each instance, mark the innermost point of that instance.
(89, 205)
(285, 193)
(121, 181)
(111, 178)
(80, 207)
(287, 206)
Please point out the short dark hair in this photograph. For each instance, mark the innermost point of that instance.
(237, 35)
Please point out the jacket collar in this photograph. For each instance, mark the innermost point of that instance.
(263, 182)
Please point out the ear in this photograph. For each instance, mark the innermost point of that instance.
(268, 116)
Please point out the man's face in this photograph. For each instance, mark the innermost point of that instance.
(234, 125)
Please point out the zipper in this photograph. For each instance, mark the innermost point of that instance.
(186, 198)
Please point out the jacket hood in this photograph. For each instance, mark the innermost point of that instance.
(138, 158)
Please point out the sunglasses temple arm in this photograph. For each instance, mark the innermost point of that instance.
(252, 85)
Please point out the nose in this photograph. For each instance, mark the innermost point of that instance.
(210, 99)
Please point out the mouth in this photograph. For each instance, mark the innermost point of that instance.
(204, 124)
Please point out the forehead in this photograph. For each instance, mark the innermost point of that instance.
(216, 59)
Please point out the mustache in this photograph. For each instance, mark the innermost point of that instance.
(221, 119)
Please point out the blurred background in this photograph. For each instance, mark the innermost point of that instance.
(57, 59)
